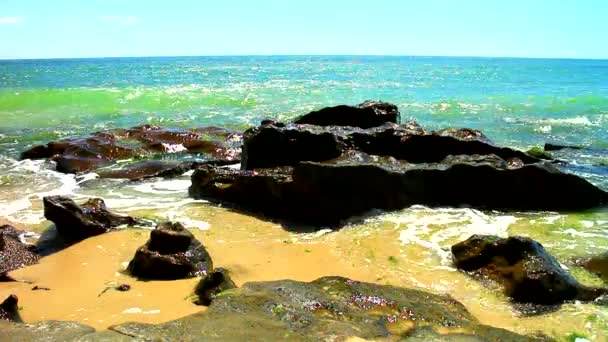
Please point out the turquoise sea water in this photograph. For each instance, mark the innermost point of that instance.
(517, 102)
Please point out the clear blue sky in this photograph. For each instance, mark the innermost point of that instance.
(96, 28)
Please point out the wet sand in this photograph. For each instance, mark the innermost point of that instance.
(253, 250)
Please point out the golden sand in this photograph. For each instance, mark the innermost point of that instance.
(253, 250)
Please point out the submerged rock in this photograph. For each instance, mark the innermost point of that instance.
(528, 273)
(212, 284)
(365, 115)
(81, 154)
(9, 310)
(172, 252)
(77, 222)
(557, 147)
(14, 254)
(328, 308)
(329, 192)
(597, 264)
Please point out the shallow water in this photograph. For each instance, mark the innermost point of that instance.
(519, 103)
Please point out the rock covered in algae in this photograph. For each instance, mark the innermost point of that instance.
(172, 252)
(528, 273)
(329, 308)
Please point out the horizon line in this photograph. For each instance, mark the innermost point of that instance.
(301, 55)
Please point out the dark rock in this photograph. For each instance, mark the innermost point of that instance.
(172, 252)
(557, 147)
(327, 193)
(81, 154)
(597, 264)
(528, 273)
(213, 284)
(329, 308)
(77, 222)
(13, 253)
(365, 115)
(270, 146)
(9, 310)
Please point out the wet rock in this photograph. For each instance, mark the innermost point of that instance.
(597, 264)
(557, 147)
(172, 252)
(330, 192)
(77, 222)
(365, 115)
(539, 153)
(212, 284)
(528, 273)
(44, 331)
(83, 154)
(270, 146)
(329, 308)
(9, 310)
(14, 254)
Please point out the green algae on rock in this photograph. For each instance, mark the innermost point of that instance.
(328, 308)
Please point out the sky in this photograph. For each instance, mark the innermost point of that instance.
(120, 28)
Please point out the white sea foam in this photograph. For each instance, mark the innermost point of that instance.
(437, 229)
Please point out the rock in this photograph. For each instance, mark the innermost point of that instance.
(172, 252)
(330, 192)
(213, 284)
(77, 222)
(597, 264)
(557, 147)
(9, 310)
(286, 145)
(528, 273)
(539, 153)
(327, 309)
(44, 331)
(365, 115)
(83, 154)
(13, 253)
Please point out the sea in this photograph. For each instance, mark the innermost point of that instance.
(520, 103)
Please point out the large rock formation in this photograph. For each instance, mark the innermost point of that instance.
(14, 254)
(329, 192)
(324, 174)
(528, 273)
(172, 252)
(103, 148)
(77, 222)
(330, 308)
